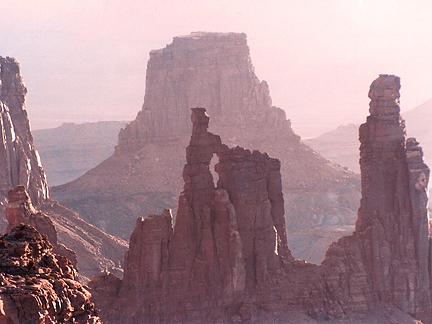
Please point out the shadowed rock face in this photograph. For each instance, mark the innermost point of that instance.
(227, 258)
(211, 70)
(391, 242)
(17, 152)
(393, 213)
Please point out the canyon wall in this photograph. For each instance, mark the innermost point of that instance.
(17, 153)
(212, 70)
(227, 257)
(21, 168)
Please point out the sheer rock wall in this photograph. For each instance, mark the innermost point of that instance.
(17, 153)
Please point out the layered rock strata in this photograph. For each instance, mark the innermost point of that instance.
(211, 70)
(38, 286)
(17, 153)
(227, 258)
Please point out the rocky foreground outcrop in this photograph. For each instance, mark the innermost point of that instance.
(38, 286)
(227, 258)
(212, 70)
(20, 168)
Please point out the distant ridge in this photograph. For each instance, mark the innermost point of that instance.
(70, 150)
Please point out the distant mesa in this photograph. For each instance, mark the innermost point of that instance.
(143, 176)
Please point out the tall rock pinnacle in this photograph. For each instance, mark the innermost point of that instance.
(16, 144)
(393, 211)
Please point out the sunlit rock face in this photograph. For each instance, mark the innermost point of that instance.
(212, 70)
(17, 153)
(23, 185)
(227, 260)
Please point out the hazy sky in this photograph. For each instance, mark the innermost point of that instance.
(86, 60)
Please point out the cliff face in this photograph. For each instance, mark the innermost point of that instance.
(227, 258)
(211, 70)
(20, 168)
(17, 153)
(393, 211)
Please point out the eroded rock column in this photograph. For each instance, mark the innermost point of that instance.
(392, 218)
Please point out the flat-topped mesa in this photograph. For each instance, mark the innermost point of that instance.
(211, 70)
(19, 159)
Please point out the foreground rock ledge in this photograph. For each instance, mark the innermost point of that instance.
(227, 260)
(38, 286)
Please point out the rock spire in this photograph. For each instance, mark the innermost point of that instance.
(393, 212)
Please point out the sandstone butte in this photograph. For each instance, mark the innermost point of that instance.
(212, 70)
(227, 259)
(20, 165)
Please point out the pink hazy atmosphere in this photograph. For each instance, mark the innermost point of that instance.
(86, 60)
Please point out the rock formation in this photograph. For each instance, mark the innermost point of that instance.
(20, 168)
(20, 211)
(228, 244)
(38, 286)
(227, 258)
(341, 144)
(211, 70)
(389, 251)
(17, 153)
